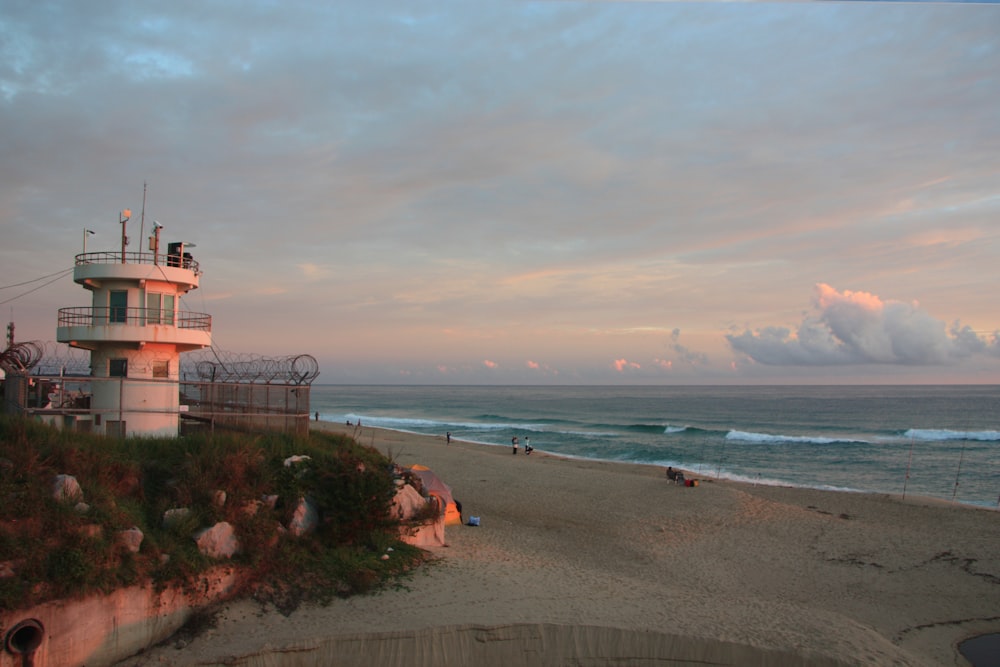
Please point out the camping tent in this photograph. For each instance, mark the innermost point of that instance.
(435, 487)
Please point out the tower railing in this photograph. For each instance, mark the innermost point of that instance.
(86, 316)
(110, 257)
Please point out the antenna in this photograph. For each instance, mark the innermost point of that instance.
(142, 217)
(123, 218)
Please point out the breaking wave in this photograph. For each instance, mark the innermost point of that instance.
(773, 439)
(948, 434)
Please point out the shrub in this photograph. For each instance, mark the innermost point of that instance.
(60, 552)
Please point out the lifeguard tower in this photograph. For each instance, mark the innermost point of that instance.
(135, 333)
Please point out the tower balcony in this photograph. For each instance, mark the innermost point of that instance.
(87, 327)
(92, 268)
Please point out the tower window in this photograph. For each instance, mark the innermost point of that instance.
(118, 368)
(159, 308)
(117, 306)
(161, 369)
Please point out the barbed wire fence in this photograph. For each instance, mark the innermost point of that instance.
(218, 387)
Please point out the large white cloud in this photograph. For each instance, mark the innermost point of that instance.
(860, 328)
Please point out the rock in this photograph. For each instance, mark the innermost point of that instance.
(67, 489)
(304, 519)
(130, 539)
(219, 541)
(81, 508)
(407, 502)
(219, 498)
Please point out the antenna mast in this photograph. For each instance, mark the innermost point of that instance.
(142, 217)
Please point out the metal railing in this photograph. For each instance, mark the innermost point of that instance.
(87, 316)
(184, 261)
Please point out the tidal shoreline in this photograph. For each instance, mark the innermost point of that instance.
(595, 561)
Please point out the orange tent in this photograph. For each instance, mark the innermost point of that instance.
(434, 486)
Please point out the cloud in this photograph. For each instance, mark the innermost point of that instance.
(685, 354)
(490, 364)
(860, 328)
(545, 369)
(621, 365)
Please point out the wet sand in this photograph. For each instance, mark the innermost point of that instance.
(592, 563)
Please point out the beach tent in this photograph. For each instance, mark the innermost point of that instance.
(435, 487)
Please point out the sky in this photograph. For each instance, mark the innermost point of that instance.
(504, 192)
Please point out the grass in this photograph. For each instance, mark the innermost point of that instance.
(57, 549)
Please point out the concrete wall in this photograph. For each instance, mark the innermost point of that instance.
(101, 630)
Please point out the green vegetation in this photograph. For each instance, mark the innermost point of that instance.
(53, 549)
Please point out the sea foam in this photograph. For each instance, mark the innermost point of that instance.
(772, 439)
(948, 434)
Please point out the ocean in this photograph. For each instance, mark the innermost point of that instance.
(937, 441)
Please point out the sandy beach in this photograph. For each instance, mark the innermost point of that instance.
(589, 563)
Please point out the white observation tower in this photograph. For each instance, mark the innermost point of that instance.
(135, 333)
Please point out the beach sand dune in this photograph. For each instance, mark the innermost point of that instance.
(593, 563)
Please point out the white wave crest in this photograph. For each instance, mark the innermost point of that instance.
(948, 434)
(772, 439)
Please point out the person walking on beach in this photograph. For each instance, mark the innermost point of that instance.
(448, 437)
(527, 445)
(513, 442)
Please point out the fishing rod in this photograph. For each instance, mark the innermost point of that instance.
(958, 472)
(909, 462)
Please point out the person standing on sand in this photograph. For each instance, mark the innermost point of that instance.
(527, 445)
(513, 442)
(448, 437)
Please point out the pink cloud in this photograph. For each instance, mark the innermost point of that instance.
(490, 364)
(621, 364)
(532, 364)
(827, 297)
(861, 328)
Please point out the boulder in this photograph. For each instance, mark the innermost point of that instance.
(304, 519)
(130, 539)
(219, 541)
(298, 458)
(407, 502)
(67, 489)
